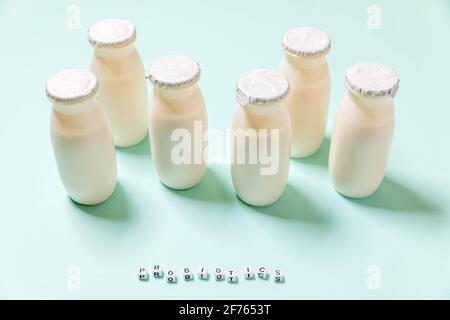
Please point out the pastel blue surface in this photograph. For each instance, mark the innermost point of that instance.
(323, 242)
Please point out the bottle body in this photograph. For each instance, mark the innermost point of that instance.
(360, 145)
(122, 92)
(178, 123)
(307, 101)
(84, 152)
(260, 182)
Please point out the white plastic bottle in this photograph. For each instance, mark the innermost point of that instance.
(261, 137)
(178, 121)
(363, 130)
(304, 64)
(81, 137)
(121, 76)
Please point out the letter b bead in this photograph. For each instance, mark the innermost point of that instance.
(187, 274)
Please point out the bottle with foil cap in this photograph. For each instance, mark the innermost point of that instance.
(261, 137)
(178, 121)
(363, 130)
(304, 64)
(121, 75)
(81, 137)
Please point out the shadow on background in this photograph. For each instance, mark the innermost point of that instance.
(142, 148)
(210, 189)
(293, 206)
(115, 208)
(320, 158)
(392, 195)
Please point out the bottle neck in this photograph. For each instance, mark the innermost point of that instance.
(266, 115)
(175, 94)
(266, 109)
(114, 53)
(369, 101)
(75, 108)
(305, 63)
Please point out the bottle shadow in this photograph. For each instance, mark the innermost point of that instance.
(115, 208)
(320, 157)
(142, 148)
(394, 196)
(292, 205)
(210, 189)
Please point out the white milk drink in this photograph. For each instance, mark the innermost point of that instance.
(363, 130)
(121, 76)
(261, 137)
(305, 66)
(178, 121)
(81, 137)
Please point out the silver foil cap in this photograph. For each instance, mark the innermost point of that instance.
(111, 33)
(372, 79)
(306, 42)
(71, 86)
(261, 86)
(174, 71)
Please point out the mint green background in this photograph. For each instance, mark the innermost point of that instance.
(322, 241)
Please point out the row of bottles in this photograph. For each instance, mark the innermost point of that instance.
(283, 112)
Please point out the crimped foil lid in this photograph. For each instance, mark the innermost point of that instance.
(71, 86)
(261, 86)
(372, 79)
(111, 33)
(306, 41)
(174, 71)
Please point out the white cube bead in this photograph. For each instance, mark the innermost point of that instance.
(171, 277)
(248, 273)
(157, 271)
(187, 274)
(143, 273)
(218, 274)
(231, 276)
(278, 276)
(262, 272)
(203, 273)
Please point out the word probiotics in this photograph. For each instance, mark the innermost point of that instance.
(203, 274)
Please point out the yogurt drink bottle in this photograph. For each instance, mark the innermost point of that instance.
(304, 64)
(121, 76)
(261, 137)
(363, 130)
(81, 137)
(178, 121)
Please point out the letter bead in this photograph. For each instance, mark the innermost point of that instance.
(157, 271)
(278, 276)
(143, 274)
(248, 273)
(171, 277)
(187, 274)
(231, 276)
(203, 273)
(218, 274)
(262, 272)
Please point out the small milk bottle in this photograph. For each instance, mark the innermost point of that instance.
(121, 76)
(261, 137)
(81, 137)
(363, 130)
(177, 121)
(306, 68)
